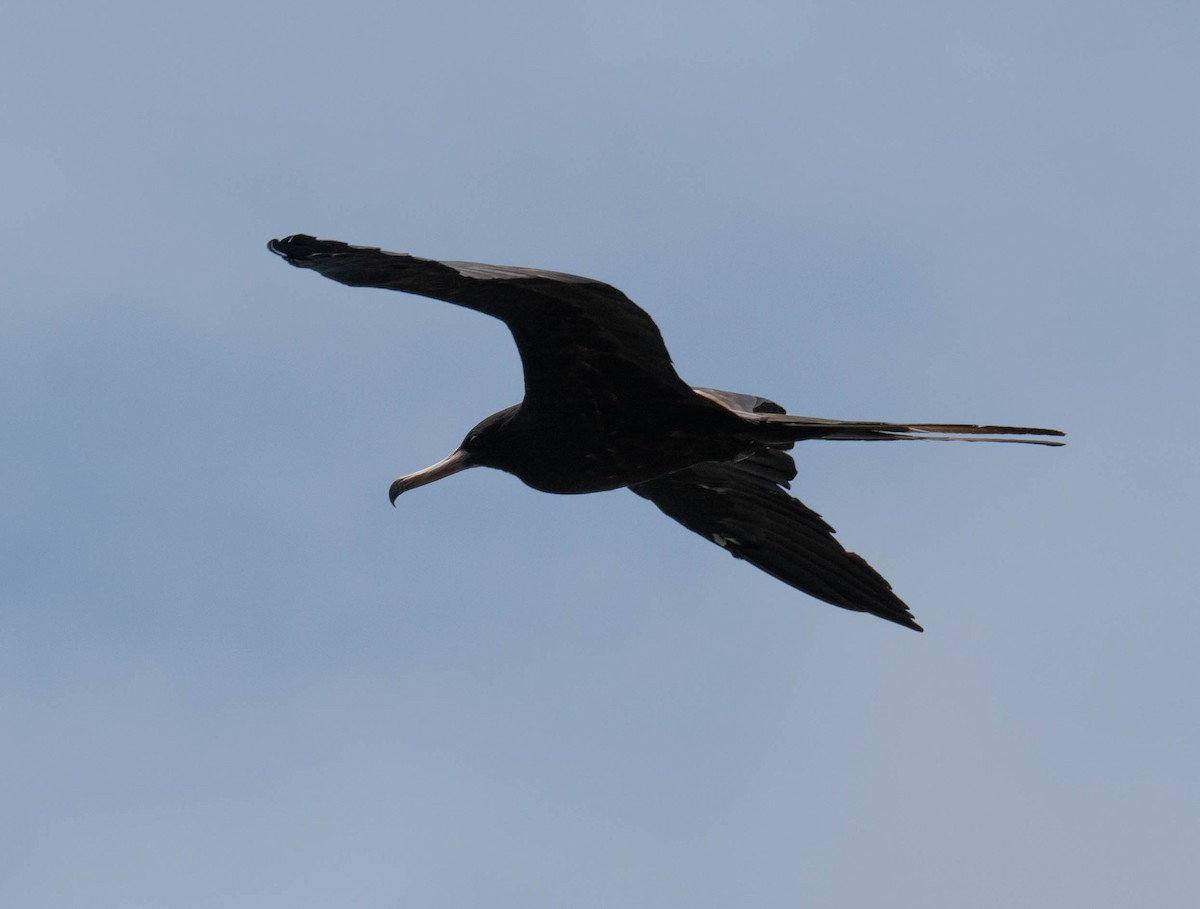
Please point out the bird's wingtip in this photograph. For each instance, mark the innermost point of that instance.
(294, 247)
(904, 621)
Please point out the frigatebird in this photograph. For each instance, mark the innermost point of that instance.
(604, 408)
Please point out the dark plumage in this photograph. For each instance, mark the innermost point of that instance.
(604, 408)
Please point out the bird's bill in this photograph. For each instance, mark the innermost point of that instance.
(451, 464)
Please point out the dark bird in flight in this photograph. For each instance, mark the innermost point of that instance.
(604, 408)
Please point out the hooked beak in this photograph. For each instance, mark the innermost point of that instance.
(451, 464)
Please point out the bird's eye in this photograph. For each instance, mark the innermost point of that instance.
(472, 438)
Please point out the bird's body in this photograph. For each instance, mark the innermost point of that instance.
(585, 454)
(604, 409)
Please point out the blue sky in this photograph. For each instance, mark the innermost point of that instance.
(231, 675)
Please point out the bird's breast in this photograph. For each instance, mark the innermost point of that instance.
(571, 464)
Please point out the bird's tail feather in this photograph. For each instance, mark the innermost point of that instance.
(789, 427)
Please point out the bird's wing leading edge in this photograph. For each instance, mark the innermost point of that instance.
(570, 331)
(743, 508)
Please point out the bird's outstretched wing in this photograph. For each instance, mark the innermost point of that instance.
(582, 342)
(743, 508)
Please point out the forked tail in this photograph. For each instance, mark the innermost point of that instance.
(789, 427)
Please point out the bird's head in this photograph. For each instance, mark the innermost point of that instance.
(484, 446)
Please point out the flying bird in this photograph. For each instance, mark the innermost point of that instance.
(604, 409)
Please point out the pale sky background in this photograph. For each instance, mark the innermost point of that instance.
(232, 676)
